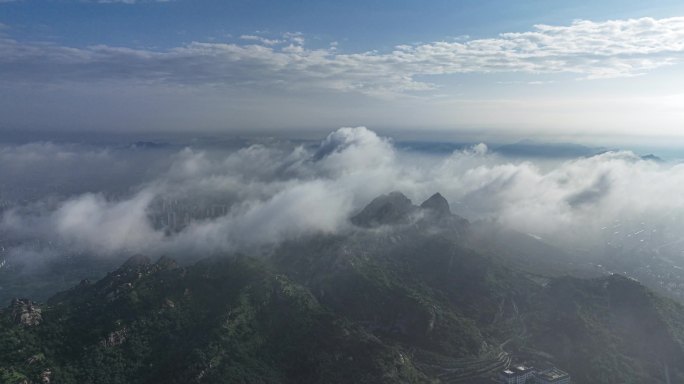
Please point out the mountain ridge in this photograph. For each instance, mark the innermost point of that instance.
(412, 303)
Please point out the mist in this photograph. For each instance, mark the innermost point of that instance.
(197, 200)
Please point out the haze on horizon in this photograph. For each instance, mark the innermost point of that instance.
(576, 71)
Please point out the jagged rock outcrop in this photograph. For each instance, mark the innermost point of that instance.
(115, 338)
(123, 279)
(393, 208)
(45, 376)
(26, 313)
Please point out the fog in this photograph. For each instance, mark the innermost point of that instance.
(109, 201)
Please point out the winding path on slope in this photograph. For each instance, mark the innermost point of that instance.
(465, 370)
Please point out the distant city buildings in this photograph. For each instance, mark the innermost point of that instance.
(521, 374)
(552, 376)
(174, 215)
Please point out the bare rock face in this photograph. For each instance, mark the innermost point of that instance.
(115, 338)
(26, 313)
(393, 208)
(45, 376)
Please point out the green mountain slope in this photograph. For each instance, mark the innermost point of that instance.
(410, 302)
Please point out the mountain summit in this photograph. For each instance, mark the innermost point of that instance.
(438, 204)
(393, 208)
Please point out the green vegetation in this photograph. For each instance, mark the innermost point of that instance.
(364, 308)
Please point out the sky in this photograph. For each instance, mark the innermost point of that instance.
(585, 71)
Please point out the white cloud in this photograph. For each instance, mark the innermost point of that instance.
(260, 39)
(25, 157)
(89, 223)
(275, 192)
(298, 209)
(94, 223)
(587, 49)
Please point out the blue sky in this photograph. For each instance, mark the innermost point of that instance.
(358, 25)
(565, 69)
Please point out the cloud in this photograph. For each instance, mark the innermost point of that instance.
(264, 193)
(27, 156)
(260, 39)
(587, 49)
(45, 170)
(353, 144)
(92, 222)
(269, 194)
(299, 209)
(592, 194)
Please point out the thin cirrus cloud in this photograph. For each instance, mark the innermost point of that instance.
(260, 39)
(586, 49)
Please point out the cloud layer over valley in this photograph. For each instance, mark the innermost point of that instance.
(202, 201)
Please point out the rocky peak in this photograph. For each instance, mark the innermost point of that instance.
(116, 283)
(437, 204)
(393, 208)
(135, 262)
(25, 312)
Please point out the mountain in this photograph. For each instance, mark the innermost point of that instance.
(533, 149)
(437, 204)
(610, 330)
(41, 278)
(417, 302)
(432, 147)
(527, 252)
(652, 157)
(397, 209)
(393, 208)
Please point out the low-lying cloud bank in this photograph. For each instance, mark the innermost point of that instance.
(208, 201)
